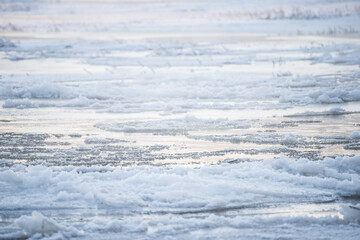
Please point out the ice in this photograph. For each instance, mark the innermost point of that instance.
(22, 103)
(4, 44)
(179, 119)
(180, 190)
(115, 226)
(187, 123)
(338, 96)
(102, 140)
(355, 135)
(164, 189)
(351, 213)
(37, 223)
(336, 111)
(324, 97)
(39, 226)
(45, 90)
(75, 135)
(213, 85)
(289, 139)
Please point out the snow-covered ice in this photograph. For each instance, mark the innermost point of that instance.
(179, 119)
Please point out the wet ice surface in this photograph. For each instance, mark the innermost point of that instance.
(184, 120)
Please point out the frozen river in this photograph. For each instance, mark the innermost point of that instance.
(179, 119)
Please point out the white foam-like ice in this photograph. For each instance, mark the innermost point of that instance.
(165, 188)
(215, 84)
(39, 225)
(331, 112)
(177, 190)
